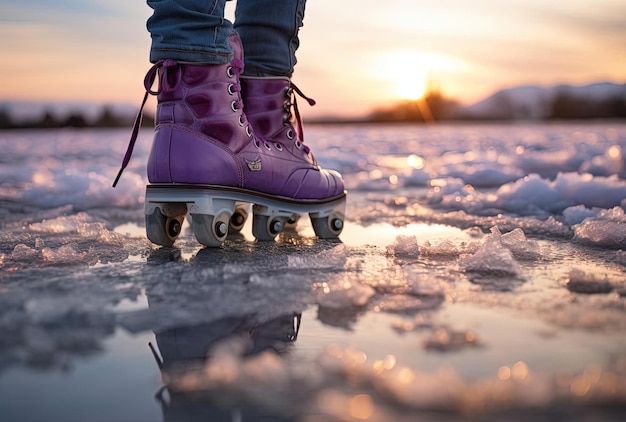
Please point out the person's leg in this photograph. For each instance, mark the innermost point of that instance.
(189, 30)
(269, 33)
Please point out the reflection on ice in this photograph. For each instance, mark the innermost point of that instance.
(345, 383)
(343, 294)
(474, 263)
(443, 339)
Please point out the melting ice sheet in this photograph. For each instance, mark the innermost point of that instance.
(481, 272)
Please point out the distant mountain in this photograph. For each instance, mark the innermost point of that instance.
(599, 100)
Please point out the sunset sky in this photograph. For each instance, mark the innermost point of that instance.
(355, 55)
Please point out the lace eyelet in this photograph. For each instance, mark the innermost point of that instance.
(256, 143)
(233, 106)
(229, 72)
(230, 89)
(298, 144)
(241, 122)
(278, 146)
(248, 131)
(290, 134)
(267, 147)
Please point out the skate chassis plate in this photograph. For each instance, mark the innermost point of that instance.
(215, 210)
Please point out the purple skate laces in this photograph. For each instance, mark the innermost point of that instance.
(151, 75)
(148, 81)
(293, 98)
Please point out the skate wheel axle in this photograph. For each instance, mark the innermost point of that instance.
(336, 224)
(276, 226)
(221, 229)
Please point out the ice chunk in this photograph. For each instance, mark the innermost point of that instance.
(518, 244)
(84, 187)
(532, 194)
(582, 282)
(63, 224)
(602, 233)
(491, 258)
(446, 249)
(22, 252)
(607, 229)
(404, 246)
(443, 249)
(67, 255)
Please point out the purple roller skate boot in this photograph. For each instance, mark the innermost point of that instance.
(207, 160)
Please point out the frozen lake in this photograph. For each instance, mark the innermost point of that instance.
(481, 273)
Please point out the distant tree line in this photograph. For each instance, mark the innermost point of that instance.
(568, 106)
(106, 119)
(565, 106)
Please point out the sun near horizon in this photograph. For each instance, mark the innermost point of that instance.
(413, 88)
(410, 74)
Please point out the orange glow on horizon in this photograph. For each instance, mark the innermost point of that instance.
(410, 72)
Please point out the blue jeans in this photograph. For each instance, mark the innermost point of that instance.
(196, 31)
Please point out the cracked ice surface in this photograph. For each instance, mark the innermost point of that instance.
(481, 271)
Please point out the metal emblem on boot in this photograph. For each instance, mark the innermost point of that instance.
(254, 165)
